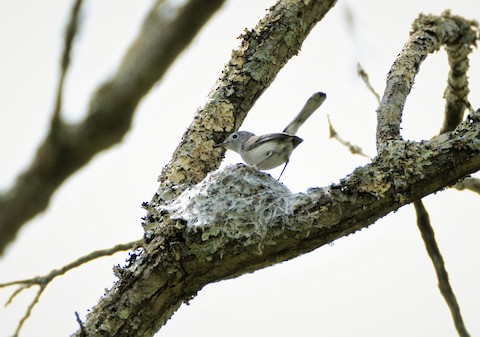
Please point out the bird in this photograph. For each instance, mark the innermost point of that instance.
(268, 151)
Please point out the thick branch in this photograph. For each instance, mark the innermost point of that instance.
(165, 33)
(254, 65)
(240, 220)
(428, 35)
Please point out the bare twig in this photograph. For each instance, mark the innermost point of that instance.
(44, 281)
(83, 332)
(67, 148)
(29, 310)
(70, 34)
(423, 222)
(39, 280)
(364, 76)
(354, 149)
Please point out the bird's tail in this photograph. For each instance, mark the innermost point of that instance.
(312, 104)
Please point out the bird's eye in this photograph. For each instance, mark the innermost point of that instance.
(234, 136)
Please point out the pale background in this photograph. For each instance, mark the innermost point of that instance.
(377, 282)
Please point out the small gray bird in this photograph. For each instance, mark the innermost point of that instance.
(271, 150)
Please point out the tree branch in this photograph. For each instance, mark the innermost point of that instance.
(70, 34)
(43, 281)
(456, 93)
(423, 219)
(240, 220)
(423, 222)
(456, 102)
(165, 33)
(428, 34)
(354, 149)
(365, 78)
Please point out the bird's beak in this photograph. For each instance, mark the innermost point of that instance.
(219, 145)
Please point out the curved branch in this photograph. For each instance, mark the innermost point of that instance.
(428, 35)
(68, 147)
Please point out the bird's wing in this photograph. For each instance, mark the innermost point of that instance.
(255, 141)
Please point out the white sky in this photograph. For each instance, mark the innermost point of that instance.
(377, 282)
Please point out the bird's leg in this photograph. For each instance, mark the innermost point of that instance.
(282, 171)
